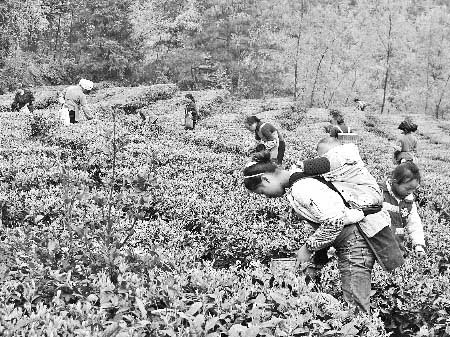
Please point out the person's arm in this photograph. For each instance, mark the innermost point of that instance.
(85, 106)
(414, 229)
(14, 104)
(61, 96)
(257, 139)
(30, 101)
(325, 235)
(398, 145)
(30, 97)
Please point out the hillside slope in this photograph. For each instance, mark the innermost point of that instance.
(130, 228)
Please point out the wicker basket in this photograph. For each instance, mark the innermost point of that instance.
(283, 266)
(348, 137)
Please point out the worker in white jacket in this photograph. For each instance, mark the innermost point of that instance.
(74, 99)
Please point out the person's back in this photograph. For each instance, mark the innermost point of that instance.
(406, 145)
(408, 142)
(341, 164)
(349, 175)
(74, 97)
(24, 97)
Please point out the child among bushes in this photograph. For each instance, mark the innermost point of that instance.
(398, 200)
(266, 134)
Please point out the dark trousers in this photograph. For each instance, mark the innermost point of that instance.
(281, 149)
(72, 117)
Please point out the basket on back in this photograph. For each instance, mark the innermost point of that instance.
(348, 137)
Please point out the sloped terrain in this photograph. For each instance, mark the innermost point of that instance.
(124, 227)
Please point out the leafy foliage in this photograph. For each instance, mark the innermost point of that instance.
(118, 227)
(392, 55)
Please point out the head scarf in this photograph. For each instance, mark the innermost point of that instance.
(86, 84)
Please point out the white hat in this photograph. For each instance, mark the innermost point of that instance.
(86, 84)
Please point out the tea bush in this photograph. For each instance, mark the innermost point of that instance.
(122, 229)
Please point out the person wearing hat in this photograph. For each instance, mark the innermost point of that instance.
(24, 98)
(74, 99)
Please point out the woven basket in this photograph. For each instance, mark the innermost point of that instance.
(283, 266)
(348, 137)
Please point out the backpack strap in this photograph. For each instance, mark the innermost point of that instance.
(331, 186)
(300, 175)
(258, 131)
(295, 177)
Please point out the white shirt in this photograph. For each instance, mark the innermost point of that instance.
(316, 202)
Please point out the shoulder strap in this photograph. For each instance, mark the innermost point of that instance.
(296, 176)
(339, 128)
(258, 131)
(331, 186)
(261, 126)
(300, 175)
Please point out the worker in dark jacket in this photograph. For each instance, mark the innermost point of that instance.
(190, 112)
(267, 137)
(24, 98)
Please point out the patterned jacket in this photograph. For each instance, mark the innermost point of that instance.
(404, 215)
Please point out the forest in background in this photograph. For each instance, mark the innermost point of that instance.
(393, 54)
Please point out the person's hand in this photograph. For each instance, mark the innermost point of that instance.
(419, 251)
(303, 257)
(249, 150)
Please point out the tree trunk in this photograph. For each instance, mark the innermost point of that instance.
(427, 93)
(440, 98)
(297, 51)
(55, 50)
(388, 57)
(353, 85)
(311, 101)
